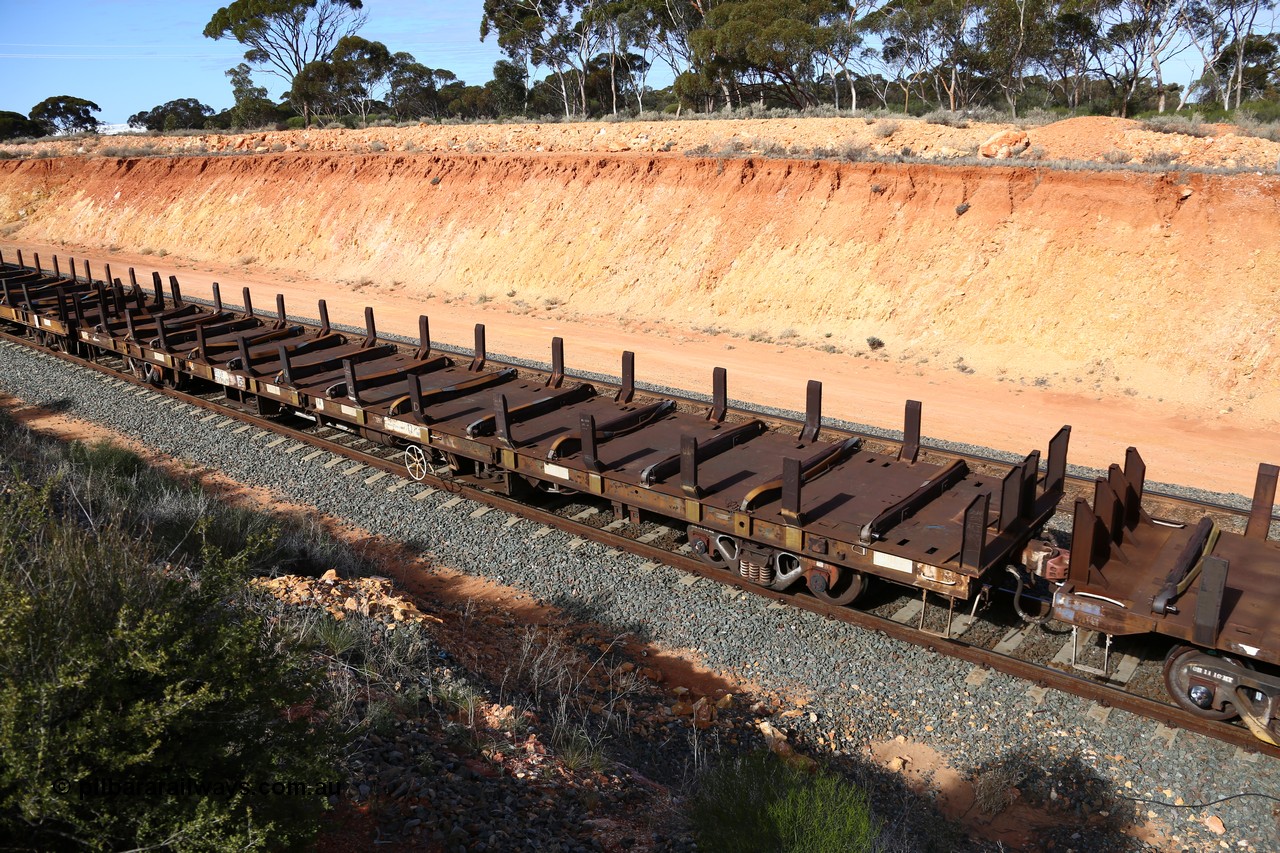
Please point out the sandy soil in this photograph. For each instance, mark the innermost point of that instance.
(1140, 307)
(1124, 283)
(974, 408)
(1083, 139)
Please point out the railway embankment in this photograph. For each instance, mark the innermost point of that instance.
(1116, 281)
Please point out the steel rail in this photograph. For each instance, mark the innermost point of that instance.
(1106, 695)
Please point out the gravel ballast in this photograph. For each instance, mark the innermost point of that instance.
(862, 686)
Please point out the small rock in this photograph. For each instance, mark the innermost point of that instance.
(1214, 823)
(1005, 144)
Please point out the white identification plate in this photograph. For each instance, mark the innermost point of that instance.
(888, 561)
(222, 377)
(349, 410)
(271, 389)
(557, 471)
(402, 428)
(158, 356)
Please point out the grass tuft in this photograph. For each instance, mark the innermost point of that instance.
(759, 803)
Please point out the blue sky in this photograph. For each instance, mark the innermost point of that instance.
(131, 55)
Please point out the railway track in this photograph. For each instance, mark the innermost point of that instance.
(903, 617)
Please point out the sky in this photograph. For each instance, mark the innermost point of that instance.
(131, 55)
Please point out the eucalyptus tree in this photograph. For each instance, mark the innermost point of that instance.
(182, 113)
(908, 49)
(1221, 32)
(65, 114)
(776, 43)
(413, 89)
(252, 106)
(554, 34)
(624, 28)
(16, 125)
(284, 36)
(361, 74)
(1134, 36)
(1074, 41)
(1016, 35)
(846, 50)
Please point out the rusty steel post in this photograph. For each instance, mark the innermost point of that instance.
(911, 432)
(627, 390)
(424, 338)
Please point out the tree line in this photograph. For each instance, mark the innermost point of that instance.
(1101, 55)
(582, 58)
(585, 58)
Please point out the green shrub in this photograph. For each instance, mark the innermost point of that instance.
(757, 803)
(105, 481)
(947, 118)
(1192, 126)
(884, 129)
(1248, 123)
(141, 706)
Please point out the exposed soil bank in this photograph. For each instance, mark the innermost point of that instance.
(1111, 282)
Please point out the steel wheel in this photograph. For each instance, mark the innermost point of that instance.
(415, 460)
(848, 586)
(1202, 697)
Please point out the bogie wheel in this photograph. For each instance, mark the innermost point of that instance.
(415, 461)
(847, 588)
(1204, 697)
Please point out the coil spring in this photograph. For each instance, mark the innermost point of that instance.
(762, 574)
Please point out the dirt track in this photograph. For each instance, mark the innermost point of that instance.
(1140, 307)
